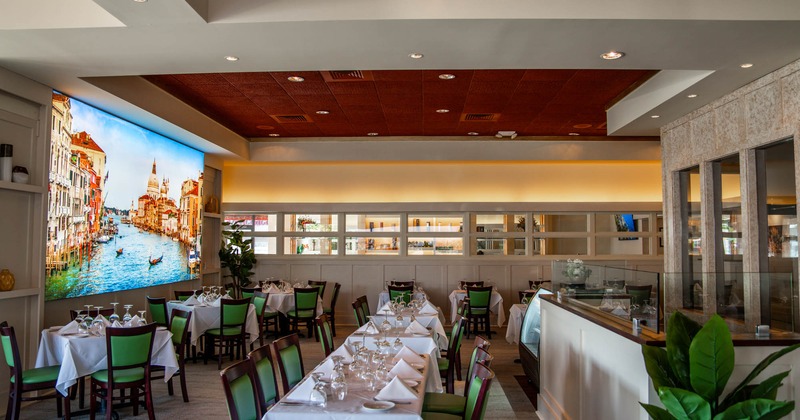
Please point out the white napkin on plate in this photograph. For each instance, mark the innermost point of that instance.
(302, 391)
(272, 289)
(71, 328)
(385, 310)
(396, 390)
(368, 328)
(405, 371)
(326, 368)
(216, 303)
(116, 324)
(134, 322)
(416, 328)
(191, 301)
(408, 355)
(345, 353)
(428, 309)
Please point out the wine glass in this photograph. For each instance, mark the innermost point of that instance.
(142, 321)
(79, 319)
(98, 324)
(126, 318)
(114, 316)
(318, 395)
(88, 310)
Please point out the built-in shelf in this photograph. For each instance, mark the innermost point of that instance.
(19, 293)
(212, 215)
(14, 186)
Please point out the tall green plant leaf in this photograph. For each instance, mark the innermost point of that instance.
(761, 409)
(680, 332)
(735, 395)
(684, 404)
(657, 365)
(767, 389)
(656, 412)
(711, 359)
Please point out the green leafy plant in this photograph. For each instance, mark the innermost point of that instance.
(236, 254)
(691, 373)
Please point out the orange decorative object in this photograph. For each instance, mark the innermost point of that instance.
(6, 280)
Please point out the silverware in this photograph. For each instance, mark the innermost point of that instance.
(293, 403)
(396, 402)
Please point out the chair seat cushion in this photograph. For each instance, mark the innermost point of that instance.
(427, 415)
(478, 311)
(39, 375)
(270, 314)
(327, 310)
(121, 376)
(443, 363)
(303, 313)
(224, 331)
(444, 403)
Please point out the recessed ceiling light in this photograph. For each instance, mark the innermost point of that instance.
(691, 95)
(574, 134)
(323, 112)
(372, 134)
(655, 116)
(472, 133)
(227, 57)
(274, 135)
(746, 65)
(416, 56)
(443, 111)
(296, 79)
(612, 55)
(447, 76)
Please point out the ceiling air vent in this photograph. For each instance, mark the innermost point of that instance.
(479, 117)
(346, 75)
(288, 119)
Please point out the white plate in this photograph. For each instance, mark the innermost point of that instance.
(410, 382)
(78, 335)
(421, 334)
(378, 405)
(417, 365)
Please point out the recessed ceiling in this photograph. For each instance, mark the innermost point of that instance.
(406, 102)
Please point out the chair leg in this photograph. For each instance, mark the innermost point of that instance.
(12, 410)
(135, 400)
(458, 364)
(170, 391)
(148, 400)
(333, 324)
(92, 401)
(184, 391)
(110, 403)
(58, 404)
(219, 357)
(81, 391)
(67, 408)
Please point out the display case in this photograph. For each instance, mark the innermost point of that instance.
(529, 337)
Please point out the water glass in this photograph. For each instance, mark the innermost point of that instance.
(114, 316)
(142, 320)
(339, 389)
(126, 318)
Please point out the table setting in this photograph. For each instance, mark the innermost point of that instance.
(495, 304)
(281, 297)
(418, 311)
(206, 313)
(384, 296)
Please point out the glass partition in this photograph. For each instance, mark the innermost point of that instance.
(435, 223)
(371, 246)
(310, 245)
(372, 223)
(265, 245)
(311, 223)
(564, 223)
(728, 236)
(501, 222)
(435, 246)
(691, 249)
(499, 246)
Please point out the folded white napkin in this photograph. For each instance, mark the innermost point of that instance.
(416, 328)
(272, 289)
(302, 391)
(408, 355)
(106, 322)
(326, 368)
(116, 324)
(396, 390)
(191, 301)
(368, 328)
(428, 309)
(385, 309)
(216, 303)
(71, 328)
(134, 322)
(345, 353)
(227, 296)
(405, 371)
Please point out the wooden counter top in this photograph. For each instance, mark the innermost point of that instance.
(624, 327)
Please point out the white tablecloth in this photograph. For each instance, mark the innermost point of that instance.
(205, 318)
(284, 302)
(79, 357)
(515, 315)
(495, 305)
(383, 297)
(434, 322)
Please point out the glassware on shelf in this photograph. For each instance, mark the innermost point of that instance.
(126, 318)
(114, 316)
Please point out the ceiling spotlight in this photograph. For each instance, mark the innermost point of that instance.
(612, 55)
(692, 95)
(227, 57)
(416, 56)
(296, 79)
(746, 65)
(574, 134)
(655, 116)
(323, 112)
(447, 76)
(372, 134)
(511, 134)
(443, 111)
(472, 133)
(274, 135)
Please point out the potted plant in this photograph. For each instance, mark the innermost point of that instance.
(691, 373)
(236, 254)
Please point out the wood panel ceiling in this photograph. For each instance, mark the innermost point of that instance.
(406, 102)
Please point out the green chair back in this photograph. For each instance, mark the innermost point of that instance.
(8, 339)
(7, 350)
(265, 376)
(478, 392)
(478, 355)
(234, 312)
(401, 291)
(179, 325)
(479, 297)
(358, 309)
(325, 334)
(240, 391)
(131, 350)
(305, 299)
(157, 307)
(260, 302)
(291, 363)
(286, 355)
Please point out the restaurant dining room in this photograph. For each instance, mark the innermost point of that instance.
(429, 210)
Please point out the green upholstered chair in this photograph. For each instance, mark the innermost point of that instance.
(525, 296)
(464, 285)
(230, 289)
(362, 314)
(403, 283)
(247, 292)
(319, 284)
(404, 292)
(639, 294)
(128, 353)
(331, 310)
(325, 334)
(30, 380)
(305, 308)
(241, 391)
(478, 313)
(182, 295)
(231, 333)
(179, 327)
(287, 356)
(157, 308)
(265, 317)
(447, 364)
(266, 380)
(451, 403)
(476, 398)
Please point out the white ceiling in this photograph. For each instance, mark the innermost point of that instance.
(76, 46)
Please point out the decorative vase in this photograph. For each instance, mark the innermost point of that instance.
(6, 280)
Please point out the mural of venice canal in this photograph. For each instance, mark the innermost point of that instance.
(103, 270)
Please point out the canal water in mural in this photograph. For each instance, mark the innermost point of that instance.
(105, 270)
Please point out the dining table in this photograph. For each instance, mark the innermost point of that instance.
(515, 315)
(207, 316)
(433, 322)
(383, 297)
(283, 302)
(83, 354)
(495, 304)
